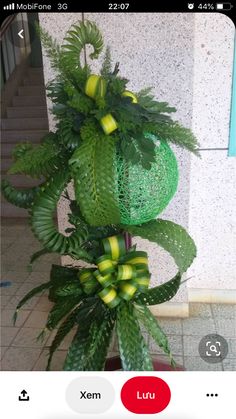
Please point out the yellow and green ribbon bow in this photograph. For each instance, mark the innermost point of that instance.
(95, 87)
(120, 273)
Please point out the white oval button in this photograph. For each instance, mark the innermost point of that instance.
(90, 395)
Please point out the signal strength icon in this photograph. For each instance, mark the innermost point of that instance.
(10, 6)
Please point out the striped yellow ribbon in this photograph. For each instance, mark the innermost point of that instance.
(120, 273)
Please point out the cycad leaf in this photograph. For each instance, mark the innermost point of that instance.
(43, 224)
(76, 359)
(92, 165)
(89, 348)
(101, 334)
(172, 237)
(29, 295)
(75, 40)
(161, 293)
(61, 308)
(36, 256)
(22, 198)
(62, 332)
(153, 328)
(133, 349)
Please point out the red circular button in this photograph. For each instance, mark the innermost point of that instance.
(145, 395)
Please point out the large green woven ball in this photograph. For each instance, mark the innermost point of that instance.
(143, 194)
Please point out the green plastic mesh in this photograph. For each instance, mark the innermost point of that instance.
(143, 194)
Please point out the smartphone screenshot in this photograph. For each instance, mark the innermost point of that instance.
(118, 210)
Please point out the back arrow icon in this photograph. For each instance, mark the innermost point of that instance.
(20, 33)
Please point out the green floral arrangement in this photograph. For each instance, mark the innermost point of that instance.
(113, 145)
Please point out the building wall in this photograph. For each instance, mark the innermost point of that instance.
(212, 204)
(176, 54)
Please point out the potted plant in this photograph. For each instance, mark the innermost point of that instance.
(113, 145)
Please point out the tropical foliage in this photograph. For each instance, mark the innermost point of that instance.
(98, 119)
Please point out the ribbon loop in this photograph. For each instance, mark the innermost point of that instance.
(120, 273)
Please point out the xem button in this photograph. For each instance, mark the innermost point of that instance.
(145, 395)
(90, 395)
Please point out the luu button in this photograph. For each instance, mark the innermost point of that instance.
(90, 395)
(144, 395)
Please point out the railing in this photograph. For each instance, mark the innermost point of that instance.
(12, 52)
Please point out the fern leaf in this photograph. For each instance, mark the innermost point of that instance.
(106, 65)
(39, 161)
(133, 350)
(175, 133)
(43, 224)
(52, 49)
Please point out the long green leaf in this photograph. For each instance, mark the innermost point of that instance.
(88, 313)
(22, 198)
(161, 293)
(101, 334)
(62, 332)
(92, 165)
(43, 224)
(172, 237)
(133, 349)
(61, 308)
(76, 359)
(29, 295)
(89, 347)
(154, 330)
(36, 256)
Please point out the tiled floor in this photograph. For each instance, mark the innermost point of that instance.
(21, 351)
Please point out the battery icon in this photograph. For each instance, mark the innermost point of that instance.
(224, 6)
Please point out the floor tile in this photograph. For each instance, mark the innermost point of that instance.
(232, 348)
(16, 276)
(36, 319)
(12, 290)
(44, 304)
(194, 363)
(190, 345)
(25, 288)
(57, 361)
(15, 299)
(229, 364)
(20, 359)
(225, 311)
(200, 310)
(177, 358)
(27, 338)
(66, 342)
(2, 351)
(7, 317)
(4, 300)
(226, 327)
(171, 326)
(8, 334)
(200, 327)
(175, 344)
(39, 277)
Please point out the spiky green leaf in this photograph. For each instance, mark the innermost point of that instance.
(172, 237)
(133, 349)
(161, 293)
(153, 328)
(92, 165)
